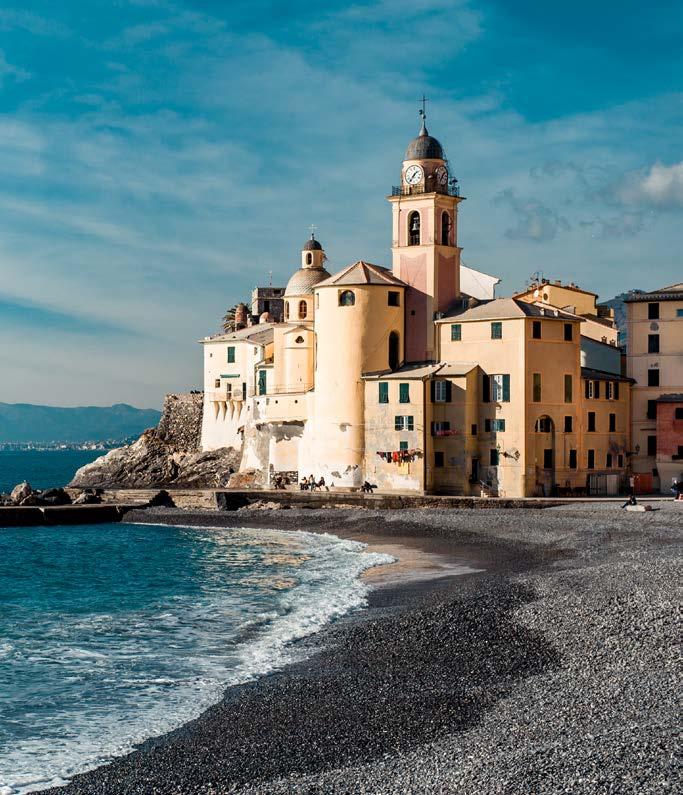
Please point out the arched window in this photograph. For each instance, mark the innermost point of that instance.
(286, 310)
(303, 310)
(393, 350)
(309, 258)
(414, 229)
(347, 298)
(445, 229)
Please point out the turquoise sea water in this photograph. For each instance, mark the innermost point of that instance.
(43, 469)
(110, 634)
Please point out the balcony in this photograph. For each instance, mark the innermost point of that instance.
(416, 190)
(286, 389)
(223, 396)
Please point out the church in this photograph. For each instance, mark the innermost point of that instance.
(417, 379)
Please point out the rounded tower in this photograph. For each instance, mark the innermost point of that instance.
(425, 248)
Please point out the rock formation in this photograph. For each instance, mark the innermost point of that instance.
(166, 457)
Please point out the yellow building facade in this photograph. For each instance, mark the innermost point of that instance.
(398, 378)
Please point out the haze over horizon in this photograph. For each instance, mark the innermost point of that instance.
(160, 157)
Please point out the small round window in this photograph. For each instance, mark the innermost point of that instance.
(347, 298)
(299, 340)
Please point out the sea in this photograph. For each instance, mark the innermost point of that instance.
(111, 634)
(43, 469)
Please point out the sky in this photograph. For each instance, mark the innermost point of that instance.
(159, 158)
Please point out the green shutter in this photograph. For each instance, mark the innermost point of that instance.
(404, 393)
(456, 332)
(383, 392)
(231, 355)
(506, 389)
(496, 331)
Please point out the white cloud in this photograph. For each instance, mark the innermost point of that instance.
(662, 186)
(8, 71)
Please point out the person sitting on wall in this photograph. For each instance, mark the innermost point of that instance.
(311, 482)
(321, 483)
(303, 486)
(677, 488)
(368, 488)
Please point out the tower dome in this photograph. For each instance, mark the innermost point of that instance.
(424, 147)
(311, 271)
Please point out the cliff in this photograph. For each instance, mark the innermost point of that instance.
(167, 456)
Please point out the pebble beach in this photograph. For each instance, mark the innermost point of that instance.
(553, 667)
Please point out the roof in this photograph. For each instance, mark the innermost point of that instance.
(312, 245)
(540, 285)
(363, 273)
(260, 334)
(505, 309)
(600, 375)
(304, 280)
(674, 292)
(424, 147)
(673, 397)
(422, 370)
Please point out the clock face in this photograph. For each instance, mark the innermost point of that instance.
(413, 175)
(442, 175)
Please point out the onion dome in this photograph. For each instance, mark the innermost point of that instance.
(424, 147)
(304, 280)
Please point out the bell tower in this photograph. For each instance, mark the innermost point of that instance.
(426, 255)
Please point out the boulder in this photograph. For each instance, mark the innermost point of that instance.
(151, 462)
(21, 492)
(87, 497)
(55, 497)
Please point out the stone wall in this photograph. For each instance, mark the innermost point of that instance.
(181, 421)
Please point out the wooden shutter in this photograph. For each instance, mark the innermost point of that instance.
(588, 387)
(596, 393)
(432, 390)
(449, 392)
(486, 388)
(506, 389)
(616, 390)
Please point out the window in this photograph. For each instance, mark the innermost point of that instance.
(414, 229)
(609, 390)
(678, 413)
(651, 410)
(498, 425)
(493, 457)
(568, 332)
(593, 389)
(317, 300)
(679, 313)
(568, 424)
(608, 461)
(544, 425)
(438, 458)
(653, 377)
(445, 228)
(231, 355)
(403, 445)
(404, 423)
(548, 459)
(309, 258)
(394, 344)
(496, 331)
(441, 391)
(439, 428)
(347, 298)
(496, 388)
(652, 445)
(262, 376)
(393, 298)
(404, 393)
(653, 311)
(217, 383)
(266, 306)
(228, 389)
(383, 392)
(473, 430)
(620, 461)
(286, 310)
(456, 332)
(568, 388)
(536, 388)
(653, 343)
(536, 330)
(591, 422)
(679, 454)
(487, 426)
(303, 310)
(613, 422)
(572, 459)
(591, 459)
(299, 340)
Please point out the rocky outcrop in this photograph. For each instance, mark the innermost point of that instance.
(23, 494)
(165, 457)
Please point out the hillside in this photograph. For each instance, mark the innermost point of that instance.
(617, 304)
(26, 423)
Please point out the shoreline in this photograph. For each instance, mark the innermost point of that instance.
(417, 688)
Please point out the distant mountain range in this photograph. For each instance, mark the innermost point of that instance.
(619, 307)
(25, 423)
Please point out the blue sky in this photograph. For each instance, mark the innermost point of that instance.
(158, 158)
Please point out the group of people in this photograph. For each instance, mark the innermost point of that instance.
(311, 484)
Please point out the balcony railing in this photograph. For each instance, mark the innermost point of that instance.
(223, 396)
(416, 190)
(286, 389)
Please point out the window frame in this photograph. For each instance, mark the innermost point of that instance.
(439, 459)
(590, 422)
(393, 298)
(569, 332)
(568, 388)
(653, 310)
(414, 236)
(536, 388)
(590, 458)
(383, 392)
(573, 462)
(404, 392)
(303, 309)
(404, 422)
(568, 423)
(653, 343)
(231, 354)
(342, 300)
(612, 423)
(498, 391)
(653, 376)
(497, 330)
(456, 332)
(536, 327)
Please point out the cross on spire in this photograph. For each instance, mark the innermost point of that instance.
(312, 227)
(423, 110)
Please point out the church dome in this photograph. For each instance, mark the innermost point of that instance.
(304, 280)
(424, 147)
(312, 245)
